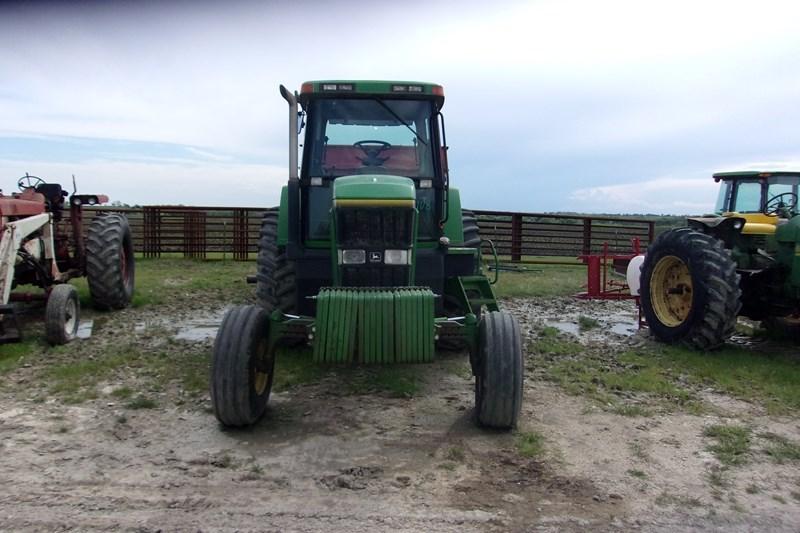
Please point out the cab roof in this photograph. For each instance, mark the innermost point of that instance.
(753, 174)
(402, 89)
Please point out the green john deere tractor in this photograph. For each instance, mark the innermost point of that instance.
(370, 258)
(744, 260)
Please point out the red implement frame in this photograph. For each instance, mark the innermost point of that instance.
(599, 285)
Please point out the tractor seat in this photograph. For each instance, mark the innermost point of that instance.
(53, 194)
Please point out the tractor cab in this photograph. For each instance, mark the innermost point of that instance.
(763, 199)
(372, 129)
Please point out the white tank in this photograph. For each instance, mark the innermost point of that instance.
(634, 273)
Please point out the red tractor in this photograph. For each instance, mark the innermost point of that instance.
(38, 247)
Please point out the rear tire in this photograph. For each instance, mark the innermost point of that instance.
(275, 277)
(690, 289)
(241, 368)
(62, 314)
(469, 222)
(110, 265)
(500, 371)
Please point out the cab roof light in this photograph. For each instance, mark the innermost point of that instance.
(347, 87)
(418, 89)
(437, 90)
(307, 88)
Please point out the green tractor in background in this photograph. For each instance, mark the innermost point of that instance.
(370, 258)
(744, 261)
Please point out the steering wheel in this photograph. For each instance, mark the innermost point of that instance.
(372, 149)
(29, 182)
(776, 204)
(372, 146)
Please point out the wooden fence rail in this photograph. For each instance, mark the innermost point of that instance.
(233, 231)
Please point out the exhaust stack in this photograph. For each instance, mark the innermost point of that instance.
(292, 100)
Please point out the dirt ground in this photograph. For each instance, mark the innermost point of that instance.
(330, 459)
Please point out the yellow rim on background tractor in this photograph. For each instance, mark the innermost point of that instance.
(671, 291)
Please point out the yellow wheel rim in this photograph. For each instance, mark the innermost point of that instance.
(260, 379)
(260, 383)
(671, 291)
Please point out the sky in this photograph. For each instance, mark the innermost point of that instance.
(600, 107)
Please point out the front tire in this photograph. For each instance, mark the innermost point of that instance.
(110, 264)
(690, 289)
(499, 373)
(62, 315)
(242, 367)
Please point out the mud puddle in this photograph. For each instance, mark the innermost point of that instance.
(195, 328)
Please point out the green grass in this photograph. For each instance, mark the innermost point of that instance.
(295, 367)
(141, 402)
(76, 379)
(551, 341)
(529, 444)
(637, 474)
(553, 280)
(770, 378)
(781, 449)
(161, 281)
(122, 393)
(12, 354)
(607, 378)
(586, 323)
(732, 445)
(455, 453)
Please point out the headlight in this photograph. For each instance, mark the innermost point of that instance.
(396, 257)
(352, 257)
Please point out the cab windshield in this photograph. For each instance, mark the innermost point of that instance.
(369, 136)
(758, 195)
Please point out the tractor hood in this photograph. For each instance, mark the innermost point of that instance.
(374, 190)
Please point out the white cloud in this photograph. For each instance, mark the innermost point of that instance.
(666, 195)
(160, 182)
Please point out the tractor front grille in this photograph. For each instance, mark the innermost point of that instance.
(375, 230)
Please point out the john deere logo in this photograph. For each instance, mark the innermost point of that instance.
(375, 257)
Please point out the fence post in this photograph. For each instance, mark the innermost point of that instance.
(587, 236)
(240, 234)
(516, 237)
(151, 222)
(651, 232)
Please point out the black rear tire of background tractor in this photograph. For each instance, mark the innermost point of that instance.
(499, 375)
(62, 315)
(110, 264)
(690, 289)
(241, 367)
(275, 277)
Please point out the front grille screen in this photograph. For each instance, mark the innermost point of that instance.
(375, 230)
(369, 227)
